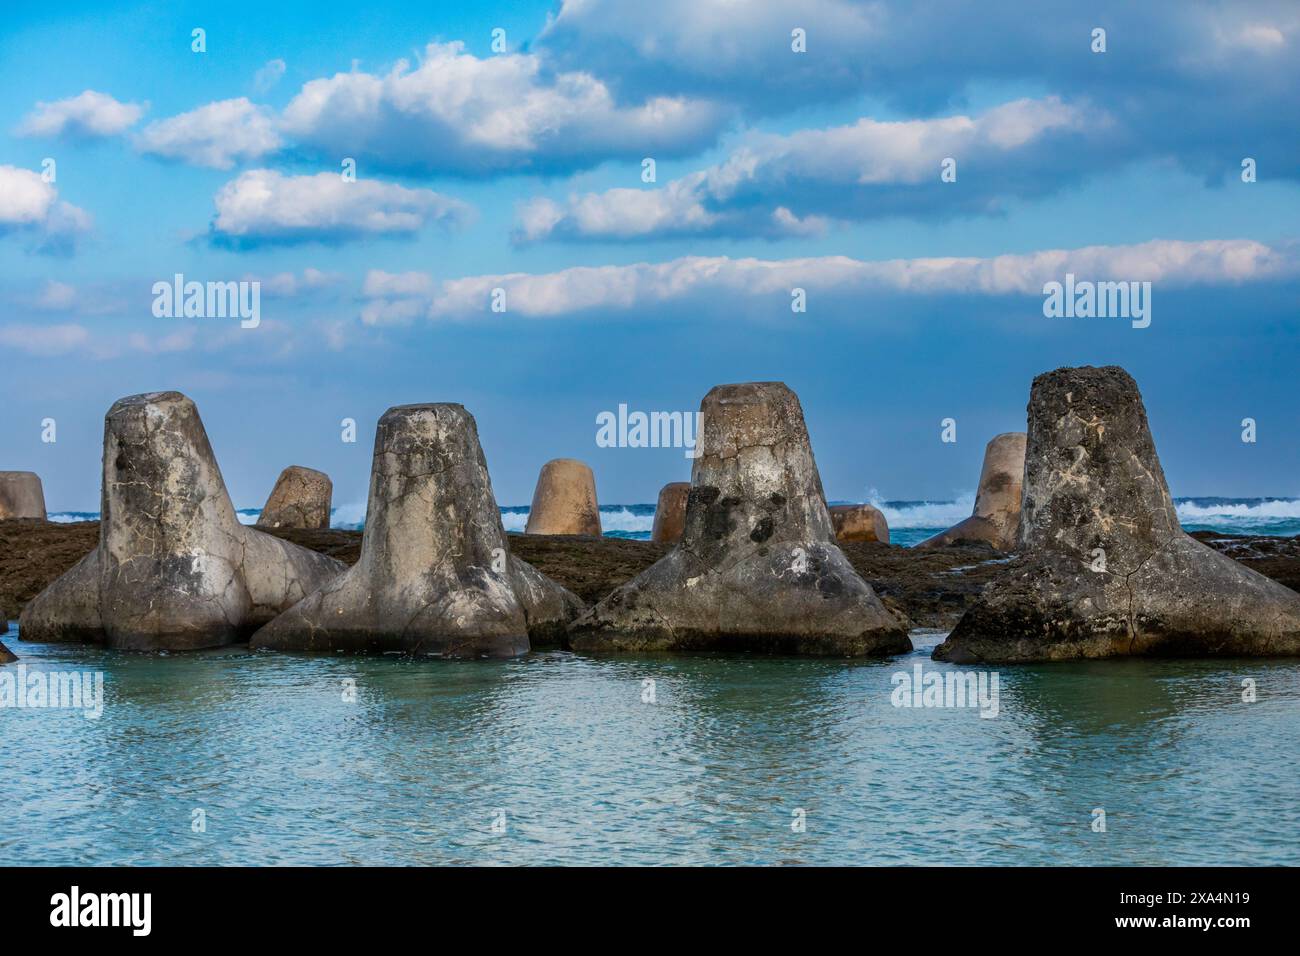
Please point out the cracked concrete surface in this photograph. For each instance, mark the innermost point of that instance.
(435, 576)
(757, 567)
(1104, 568)
(174, 568)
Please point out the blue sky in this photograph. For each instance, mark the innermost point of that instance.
(521, 170)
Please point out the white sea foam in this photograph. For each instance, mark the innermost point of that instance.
(68, 517)
(1241, 515)
(514, 520)
(621, 519)
(614, 518)
(925, 514)
(349, 517)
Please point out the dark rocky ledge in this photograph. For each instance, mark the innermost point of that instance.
(932, 587)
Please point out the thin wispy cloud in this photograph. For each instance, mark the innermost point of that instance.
(269, 75)
(287, 285)
(44, 341)
(715, 284)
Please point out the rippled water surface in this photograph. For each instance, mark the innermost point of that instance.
(563, 749)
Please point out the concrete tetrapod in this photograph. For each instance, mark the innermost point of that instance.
(1104, 568)
(996, 519)
(435, 576)
(174, 568)
(757, 567)
(301, 498)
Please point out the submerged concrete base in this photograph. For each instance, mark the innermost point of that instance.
(1184, 600)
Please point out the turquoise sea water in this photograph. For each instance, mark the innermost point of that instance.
(563, 753)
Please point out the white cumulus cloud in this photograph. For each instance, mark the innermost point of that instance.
(88, 115)
(263, 206)
(395, 298)
(792, 185)
(30, 207)
(217, 135)
(1186, 70)
(456, 113)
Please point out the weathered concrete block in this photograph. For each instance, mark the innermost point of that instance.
(564, 501)
(21, 495)
(757, 567)
(996, 519)
(859, 523)
(301, 498)
(670, 513)
(435, 576)
(174, 569)
(1105, 570)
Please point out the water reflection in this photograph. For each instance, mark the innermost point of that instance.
(579, 766)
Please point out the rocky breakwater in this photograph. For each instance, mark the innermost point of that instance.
(859, 523)
(564, 501)
(670, 513)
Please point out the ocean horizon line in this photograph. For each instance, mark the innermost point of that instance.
(910, 521)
